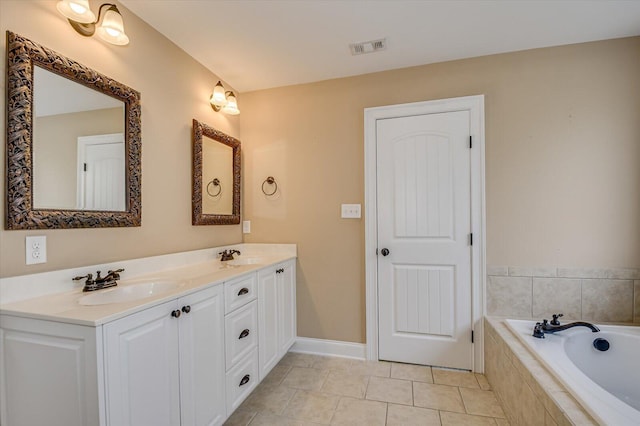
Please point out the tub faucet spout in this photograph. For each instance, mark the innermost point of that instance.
(544, 327)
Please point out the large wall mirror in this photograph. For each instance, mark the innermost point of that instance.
(73, 143)
(216, 177)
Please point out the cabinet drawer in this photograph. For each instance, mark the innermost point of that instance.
(241, 333)
(239, 292)
(241, 380)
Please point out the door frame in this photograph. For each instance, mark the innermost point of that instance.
(475, 106)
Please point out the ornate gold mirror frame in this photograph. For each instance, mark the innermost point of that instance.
(198, 217)
(22, 55)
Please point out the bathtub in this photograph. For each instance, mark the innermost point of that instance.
(606, 383)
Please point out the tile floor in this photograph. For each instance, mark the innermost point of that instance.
(310, 390)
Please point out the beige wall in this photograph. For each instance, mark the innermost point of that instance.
(562, 166)
(174, 90)
(55, 152)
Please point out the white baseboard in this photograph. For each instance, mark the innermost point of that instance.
(308, 345)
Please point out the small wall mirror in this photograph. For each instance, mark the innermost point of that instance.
(216, 177)
(73, 143)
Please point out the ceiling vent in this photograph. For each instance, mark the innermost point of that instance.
(368, 46)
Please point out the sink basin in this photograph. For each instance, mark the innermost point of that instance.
(245, 261)
(131, 291)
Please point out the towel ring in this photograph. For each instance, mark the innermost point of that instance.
(271, 181)
(214, 182)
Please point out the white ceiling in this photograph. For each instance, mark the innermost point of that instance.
(54, 95)
(262, 44)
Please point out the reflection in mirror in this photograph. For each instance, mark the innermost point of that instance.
(216, 177)
(78, 146)
(62, 115)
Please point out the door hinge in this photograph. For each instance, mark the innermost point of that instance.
(471, 336)
(85, 167)
(470, 141)
(471, 239)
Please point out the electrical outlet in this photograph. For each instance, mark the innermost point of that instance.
(36, 250)
(351, 211)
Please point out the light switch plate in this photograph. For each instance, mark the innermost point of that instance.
(36, 250)
(246, 226)
(351, 211)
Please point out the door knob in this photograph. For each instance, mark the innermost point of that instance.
(186, 309)
(244, 333)
(385, 251)
(175, 314)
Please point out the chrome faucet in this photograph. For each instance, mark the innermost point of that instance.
(109, 280)
(546, 327)
(227, 255)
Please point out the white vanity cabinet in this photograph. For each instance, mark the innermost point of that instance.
(276, 312)
(189, 361)
(165, 365)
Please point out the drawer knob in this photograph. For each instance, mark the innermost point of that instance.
(186, 309)
(245, 380)
(242, 291)
(244, 333)
(175, 314)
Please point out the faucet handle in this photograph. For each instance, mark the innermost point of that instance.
(555, 320)
(98, 277)
(88, 277)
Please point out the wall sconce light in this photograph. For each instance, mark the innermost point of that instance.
(224, 100)
(83, 20)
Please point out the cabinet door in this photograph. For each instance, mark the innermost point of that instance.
(202, 372)
(268, 347)
(49, 374)
(141, 368)
(286, 282)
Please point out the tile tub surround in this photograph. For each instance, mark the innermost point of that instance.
(528, 392)
(305, 389)
(589, 294)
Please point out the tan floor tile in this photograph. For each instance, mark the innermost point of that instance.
(311, 406)
(417, 373)
(354, 412)
(454, 378)
(390, 390)
(457, 419)
(240, 417)
(371, 368)
(276, 375)
(481, 402)
(268, 399)
(333, 363)
(345, 384)
(403, 415)
(305, 378)
(483, 382)
(266, 419)
(437, 397)
(295, 359)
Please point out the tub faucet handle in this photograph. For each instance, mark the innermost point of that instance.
(555, 320)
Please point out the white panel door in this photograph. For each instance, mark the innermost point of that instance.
(142, 368)
(424, 222)
(202, 368)
(101, 164)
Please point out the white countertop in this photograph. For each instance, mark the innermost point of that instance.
(64, 306)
